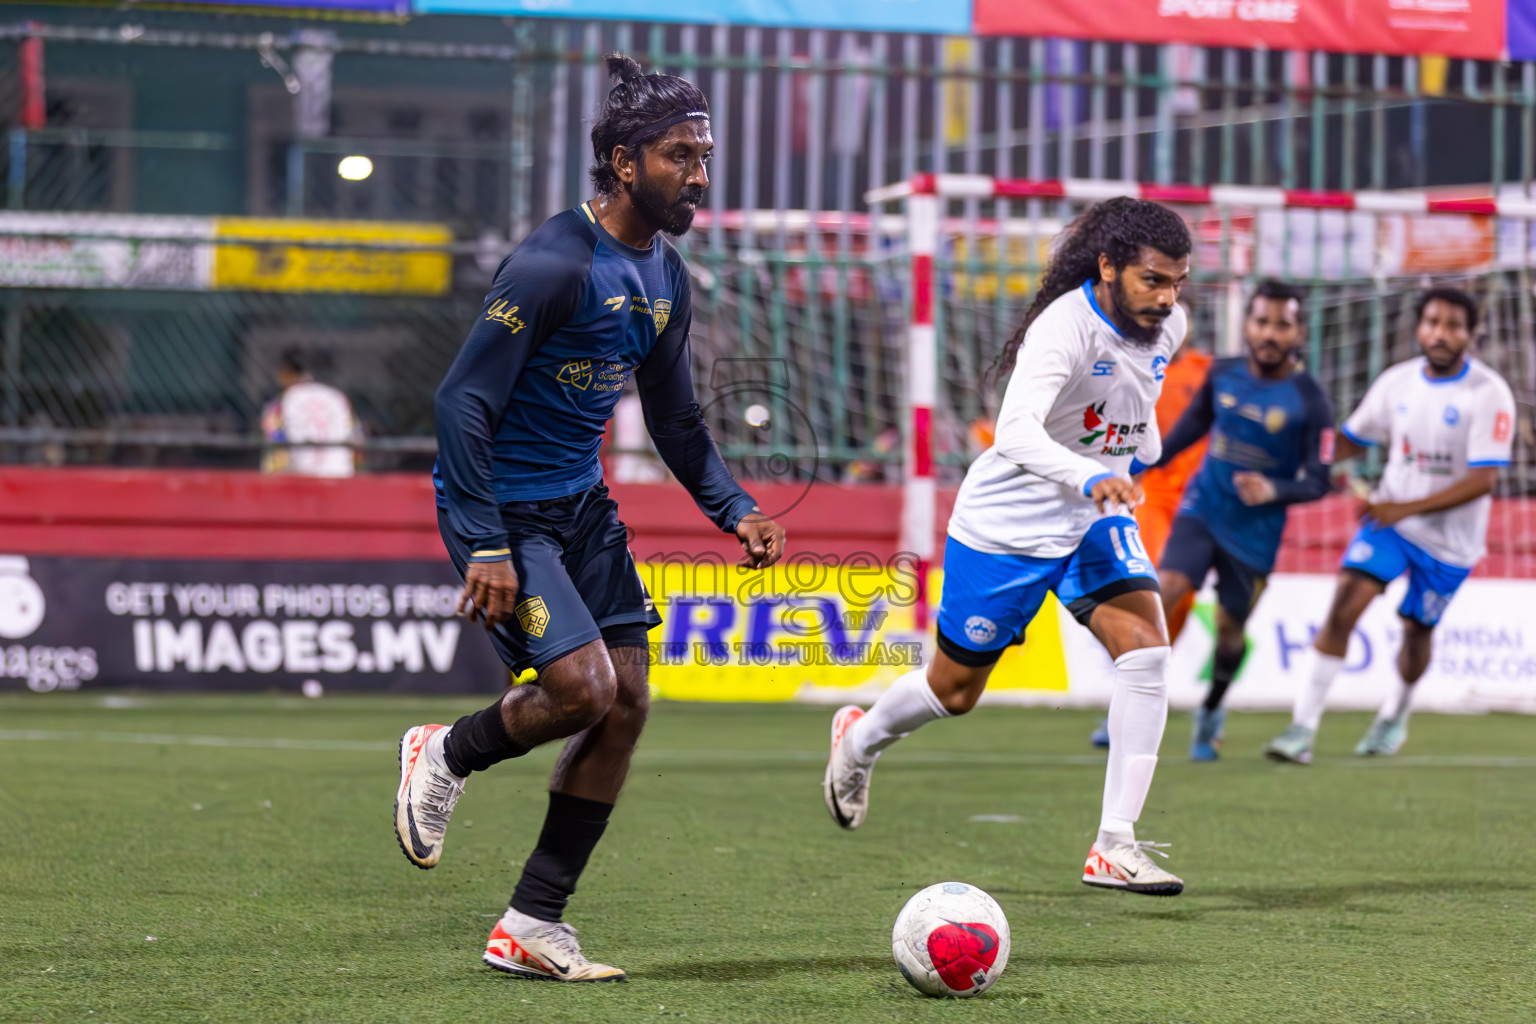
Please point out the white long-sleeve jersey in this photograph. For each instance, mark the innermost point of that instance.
(1079, 405)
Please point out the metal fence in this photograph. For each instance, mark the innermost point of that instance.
(481, 124)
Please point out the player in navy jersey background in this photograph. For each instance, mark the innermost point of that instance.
(1271, 429)
(587, 300)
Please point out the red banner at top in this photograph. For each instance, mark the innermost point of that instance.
(1450, 28)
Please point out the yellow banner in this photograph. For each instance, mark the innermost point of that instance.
(731, 635)
(255, 254)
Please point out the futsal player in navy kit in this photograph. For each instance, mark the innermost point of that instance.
(1271, 430)
(589, 299)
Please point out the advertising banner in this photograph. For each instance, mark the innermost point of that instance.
(1522, 29)
(69, 623)
(393, 7)
(72, 250)
(316, 260)
(1452, 28)
(951, 17)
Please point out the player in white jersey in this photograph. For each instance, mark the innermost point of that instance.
(1448, 423)
(1048, 508)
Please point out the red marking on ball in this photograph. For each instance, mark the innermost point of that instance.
(959, 950)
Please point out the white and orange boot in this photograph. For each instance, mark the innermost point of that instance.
(428, 791)
(1126, 866)
(845, 786)
(526, 947)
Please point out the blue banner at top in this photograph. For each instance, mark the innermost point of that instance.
(1521, 27)
(950, 17)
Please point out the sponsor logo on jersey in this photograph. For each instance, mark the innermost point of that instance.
(1501, 426)
(502, 312)
(576, 374)
(533, 616)
(615, 302)
(1104, 368)
(1325, 447)
(1114, 438)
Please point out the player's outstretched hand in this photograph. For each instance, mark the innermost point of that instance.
(490, 592)
(1117, 490)
(1254, 488)
(763, 541)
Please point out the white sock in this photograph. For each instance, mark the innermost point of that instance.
(1314, 692)
(907, 705)
(1138, 710)
(1398, 702)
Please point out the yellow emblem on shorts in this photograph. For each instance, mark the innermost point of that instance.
(533, 616)
(661, 311)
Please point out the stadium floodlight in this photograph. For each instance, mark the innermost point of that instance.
(354, 168)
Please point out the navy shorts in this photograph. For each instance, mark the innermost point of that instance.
(1194, 551)
(577, 581)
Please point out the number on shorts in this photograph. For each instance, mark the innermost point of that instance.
(1131, 547)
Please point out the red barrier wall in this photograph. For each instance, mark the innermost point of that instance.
(106, 513)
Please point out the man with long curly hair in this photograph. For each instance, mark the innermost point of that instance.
(1048, 508)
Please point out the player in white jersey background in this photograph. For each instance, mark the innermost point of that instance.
(1447, 421)
(1048, 508)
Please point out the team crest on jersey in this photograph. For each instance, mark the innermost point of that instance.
(661, 312)
(533, 616)
(1274, 419)
(577, 374)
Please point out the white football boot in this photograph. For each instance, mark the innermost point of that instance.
(526, 947)
(1127, 866)
(845, 786)
(428, 790)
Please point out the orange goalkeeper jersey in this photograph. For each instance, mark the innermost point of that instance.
(1165, 485)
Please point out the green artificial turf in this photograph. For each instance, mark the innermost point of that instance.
(149, 876)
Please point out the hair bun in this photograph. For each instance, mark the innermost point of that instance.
(623, 67)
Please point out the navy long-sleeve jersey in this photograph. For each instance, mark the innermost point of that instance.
(1280, 428)
(571, 314)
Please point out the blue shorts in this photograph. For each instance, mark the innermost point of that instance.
(989, 599)
(1381, 553)
(577, 581)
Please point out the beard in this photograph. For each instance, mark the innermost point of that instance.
(1126, 314)
(672, 214)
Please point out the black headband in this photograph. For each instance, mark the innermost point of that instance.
(663, 125)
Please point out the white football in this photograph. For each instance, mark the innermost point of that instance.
(951, 939)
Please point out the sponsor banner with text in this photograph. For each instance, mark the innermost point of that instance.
(1452, 28)
(947, 16)
(73, 623)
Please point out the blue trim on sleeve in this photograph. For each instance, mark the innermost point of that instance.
(1362, 442)
(1137, 466)
(1094, 302)
(1487, 462)
(1092, 482)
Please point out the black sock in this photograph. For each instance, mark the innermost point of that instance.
(478, 741)
(1228, 661)
(571, 830)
